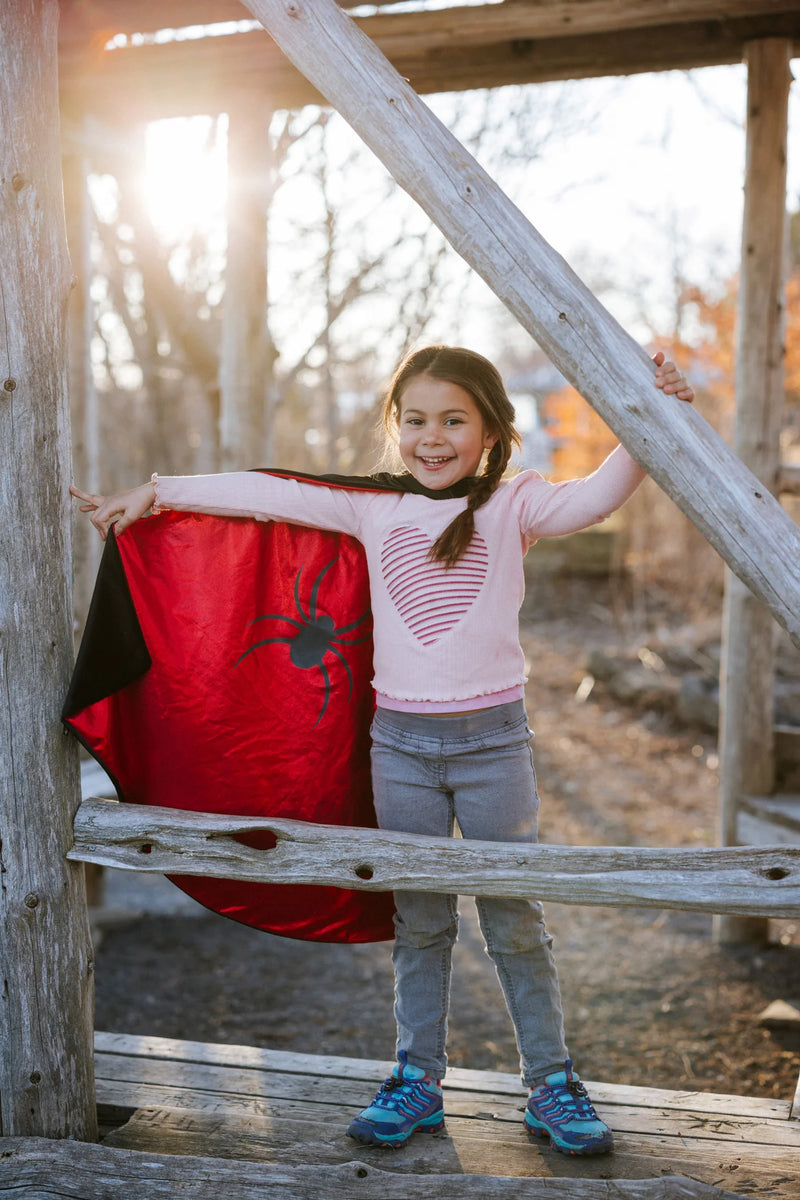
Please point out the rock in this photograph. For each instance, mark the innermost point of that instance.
(605, 664)
(781, 1015)
(698, 702)
(640, 686)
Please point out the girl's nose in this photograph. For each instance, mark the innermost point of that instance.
(433, 435)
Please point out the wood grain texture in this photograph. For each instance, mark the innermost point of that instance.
(46, 1085)
(249, 1092)
(33, 1169)
(149, 82)
(479, 24)
(747, 679)
(110, 1047)
(745, 880)
(273, 1106)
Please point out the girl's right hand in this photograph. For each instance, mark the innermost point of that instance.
(120, 510)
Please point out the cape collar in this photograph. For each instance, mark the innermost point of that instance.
(382, 481)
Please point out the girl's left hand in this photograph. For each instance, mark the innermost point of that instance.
(670, 380)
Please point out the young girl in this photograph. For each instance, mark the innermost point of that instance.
(450, 734)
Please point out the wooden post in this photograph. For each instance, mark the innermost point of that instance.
(46, 1064)
(747, 690)
(84, 413)
(83, 405)
(679, 449)
(246, 357)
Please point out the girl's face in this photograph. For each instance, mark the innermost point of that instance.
(442, 433)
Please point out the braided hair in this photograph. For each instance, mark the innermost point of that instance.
(481, 380)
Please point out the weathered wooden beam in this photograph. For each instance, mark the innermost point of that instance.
(478, 25)
(246, 351)
(83, 398)
(46, 959)
(681, 451)
(198, 75)
(34, 1169)
(747, 691)
(84, 25)
(746, 880)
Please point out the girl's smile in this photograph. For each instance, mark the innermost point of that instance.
(442, 435)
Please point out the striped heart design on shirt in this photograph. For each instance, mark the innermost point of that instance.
(429, 598)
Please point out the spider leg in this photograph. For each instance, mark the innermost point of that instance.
(327, 679)
(265, 642)
(297, 603)
(349, 641)
(344, 663)
(312, 607)
(276, 617)
(355, 624)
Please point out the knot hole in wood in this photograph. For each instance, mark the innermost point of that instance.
(257, 839)
(776, 872)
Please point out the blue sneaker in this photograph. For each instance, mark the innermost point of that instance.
(561, 1110)
(409, 1100)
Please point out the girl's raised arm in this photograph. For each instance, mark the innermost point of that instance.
(120, 510)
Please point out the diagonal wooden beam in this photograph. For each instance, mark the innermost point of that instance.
(693, 465)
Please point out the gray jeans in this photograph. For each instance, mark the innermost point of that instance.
(429, 772)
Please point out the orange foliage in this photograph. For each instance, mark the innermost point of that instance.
(581, 439)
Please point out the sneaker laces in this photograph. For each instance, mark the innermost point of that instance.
(574, 1094)
(383, 1097)
(396, 1083)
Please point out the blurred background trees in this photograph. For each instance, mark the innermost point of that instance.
(253, 278)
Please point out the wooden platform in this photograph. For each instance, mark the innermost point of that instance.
(166, 1097)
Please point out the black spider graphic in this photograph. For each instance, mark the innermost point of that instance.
(317, 636)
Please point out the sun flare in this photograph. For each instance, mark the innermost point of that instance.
(185, 180)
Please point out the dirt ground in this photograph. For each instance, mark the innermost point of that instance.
(649, 997)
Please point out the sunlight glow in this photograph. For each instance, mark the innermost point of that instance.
(185, 177)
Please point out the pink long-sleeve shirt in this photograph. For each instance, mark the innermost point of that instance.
(444, 640)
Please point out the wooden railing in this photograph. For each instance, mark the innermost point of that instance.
(743, 880)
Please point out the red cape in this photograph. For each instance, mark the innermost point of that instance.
(226, 668)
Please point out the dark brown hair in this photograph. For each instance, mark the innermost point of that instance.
(481, 379)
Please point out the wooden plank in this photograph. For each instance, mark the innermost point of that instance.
(94, 24)
(781, 810)
(241, 1092)
(46, 957)
(109, 1046)
(34, 1169)
(480, 1147)
(681, 451)
(424, 31)
(739, 879)
(753, 829)
(200, 75)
